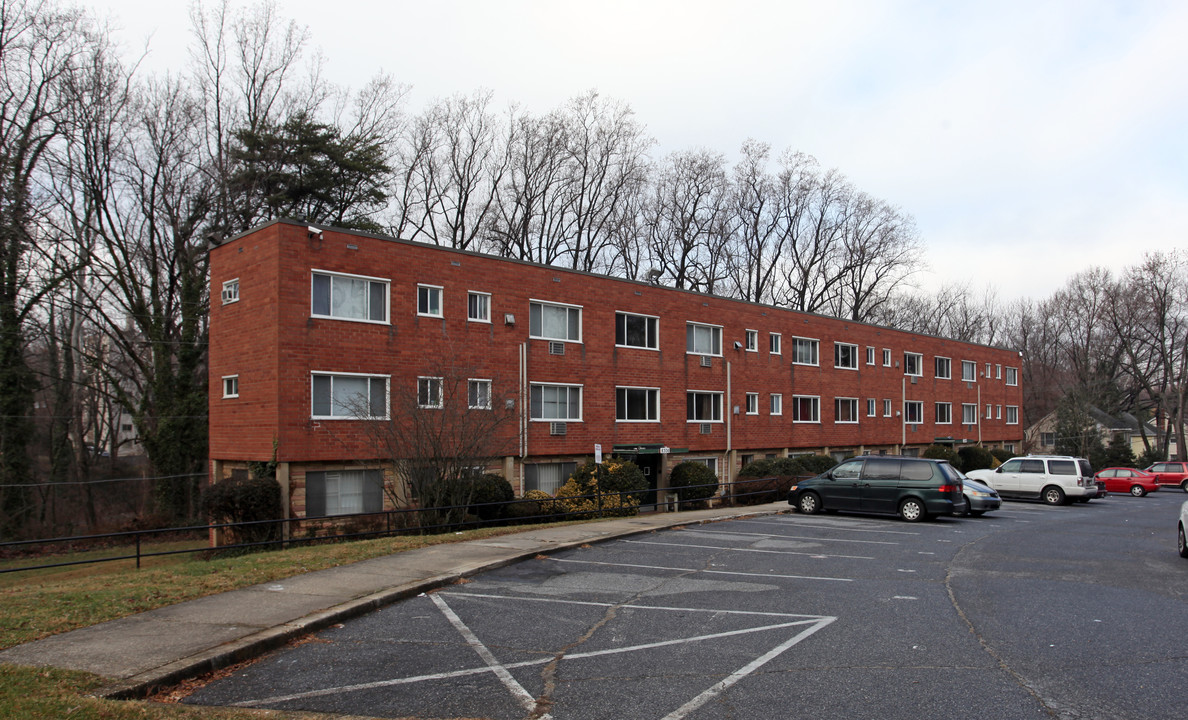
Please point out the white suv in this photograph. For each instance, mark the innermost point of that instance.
(1056, 479)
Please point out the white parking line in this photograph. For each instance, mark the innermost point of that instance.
(697, 570)
(825, 525)
(794, 537)
(754, 550)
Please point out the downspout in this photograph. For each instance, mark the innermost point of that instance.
(903, 411)
(729, 427)
(979, 413)
(523, 408)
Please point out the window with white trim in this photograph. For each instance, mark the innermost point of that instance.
(944, 413)
(997, 412)
(845, 410)
(348, 396)
(777, 404)
(944, 368)
(886, 357)
(913, 412)
(806, 409)
(989, 411)
(752, 343)
(969, 371)
(555, 402)
(870, 355)
(913, 364)
(548, 477)
(1012, 376)
(886, 408)
(998, 372)
(231, 291)
(703, 339)
(429, 392)
(774, 343)
(703, 407)
(478, 394)
(637, 331)
(552, 321)
(230, 386)
(987, 375)
(845, 356)
(871, 406)
(805, 351)
(429, 300)
(1012, 414)
(969, 414)
(752, 403)
(478, 306)
(343, 492)
(348, 297)
(635, 404)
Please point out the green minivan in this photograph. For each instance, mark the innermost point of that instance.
(913, 488)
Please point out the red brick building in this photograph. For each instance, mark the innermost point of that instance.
(308, 319)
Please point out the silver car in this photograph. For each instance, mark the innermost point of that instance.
(1183, 524)
(979, 497)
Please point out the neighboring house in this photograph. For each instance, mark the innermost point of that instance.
(310, 316)
(1041, 437)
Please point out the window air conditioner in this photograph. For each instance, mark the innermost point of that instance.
(706, 428)
(557, 428)
(556, 348)
(707, 361)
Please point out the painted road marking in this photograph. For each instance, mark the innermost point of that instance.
(699, 570)
(753, 550)
(795, 537)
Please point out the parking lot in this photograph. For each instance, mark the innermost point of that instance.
(1031, 611)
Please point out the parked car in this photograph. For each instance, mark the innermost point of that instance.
(1170, 473)
(913, 488)
(1055, 479)
(1128, 480)
(979, 497)
(1183, 524)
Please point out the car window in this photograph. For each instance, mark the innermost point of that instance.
(1062, 467)
(1110, 473)
(1032, 466)
(951, 473)
(848, 470)
(917, 471)
(883, 469)
(1011, 466)
(1161, 467)
(1086, 468)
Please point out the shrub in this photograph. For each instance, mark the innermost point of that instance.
(974, 457)
(536, 506)
(1150, 457)
(1001, 455)
(244, 501)
(942, 452)
(490, 489)
(815, 464)
(616, 489)
(693, 482)
(757, 491)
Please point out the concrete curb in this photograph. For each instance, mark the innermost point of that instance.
(258, 643)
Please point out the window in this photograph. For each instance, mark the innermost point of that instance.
(913, 364)
(703, 339)
(805, 351)
(913, 412)
(969, 371)
(711, 463)
(554, 322)
(556, 402)
(886, 357)
(349, 396)
(997, 372)
(871, 407)
(997, 412)
(944, 413)
(886, 408)
(989, 411)
(478, 394)
(944, 368)
(1012, 376)
(231, 291)
(1009, 447)
(806, 408)
(969, 414)
(752, 403)
(429, 392)
(548, 477)
(429, 300)
(478, 306)
(639, 331)
(1047, 439)
(703, 406)
(870, 355)
(987, 375)
(230, 386)
(774, 343)
(845, 356)
(845, 410)
(1012, 418)
(349, 297)
(777, 404)
(343, 492)
(637, 404)
(752, 341)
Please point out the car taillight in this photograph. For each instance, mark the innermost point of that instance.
(948, 488)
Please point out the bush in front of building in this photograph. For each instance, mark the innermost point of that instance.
(772, 467)
(1001, 455)
(536, 506)
(974, 457)
(614, 489)
(245, 500)
(942, 452)
(490, 493)
(815, 464)
(693, 482)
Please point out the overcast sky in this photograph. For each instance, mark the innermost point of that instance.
(1028, 139)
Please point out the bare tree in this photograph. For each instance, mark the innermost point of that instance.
(688, 221)
(881, 251)
(765, 208)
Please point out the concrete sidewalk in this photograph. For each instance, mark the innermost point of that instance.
(161, 647)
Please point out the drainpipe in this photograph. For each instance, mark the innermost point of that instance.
(980, 421)
(729, 427)
(902, 410)
(523, 405)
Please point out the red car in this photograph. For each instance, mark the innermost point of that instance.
(1127, 480)
(1171, 473)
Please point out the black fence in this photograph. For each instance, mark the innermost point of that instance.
(281, 534)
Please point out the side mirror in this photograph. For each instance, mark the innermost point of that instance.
(998, 469)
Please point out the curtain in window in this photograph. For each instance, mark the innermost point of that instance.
(350, 396)
(349, 298)
(548, 477)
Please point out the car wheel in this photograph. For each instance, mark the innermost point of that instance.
(912, 510)
(1184, 486)
(1183, 545)
(968, 505)
(1053, 495)
(809, 503)
(1137, 491)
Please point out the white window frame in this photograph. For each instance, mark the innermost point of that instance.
(815, 405)
(948, 413)
(814, 343)
(471, 384)
(652, 332)
(948, 363)
(886, 357)
(886, 407)
(751, 341)
(428, 382)
(230, 386)
(969, 371)
(870, 355)
(919, 358)
(652, 391)
(314, 272)
(774, 343)
(969, 413)
(997, 412)
(485, 306)
(987, 375)
(752, 403)
(332, 375)
(1012, 415)
(429, 293)
(1012, 376)
(918, 406)
(837, 351)
(997, 371)
(555, 305)
(717, 405)
(871, 407)
(231, 285)
(715, 338)
(776, 403)
(532, 386)
(837, 406)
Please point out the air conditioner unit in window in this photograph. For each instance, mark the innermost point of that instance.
(707, 361)
(915, 379)
(557, 428)
(556, 348)
(706, 428)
